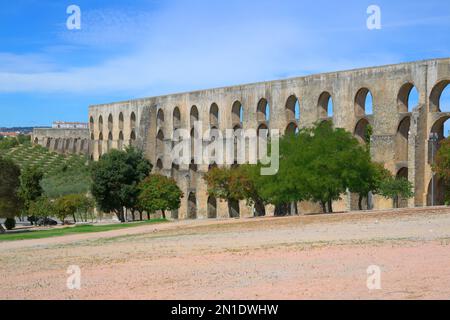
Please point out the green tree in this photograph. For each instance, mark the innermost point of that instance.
(315, 165)
(441, 165)
(115, 179)
(396, 188)
(364, 176)
(30, 186)
(159, 193)
(235, 183)
(9, 183)
(42, 208)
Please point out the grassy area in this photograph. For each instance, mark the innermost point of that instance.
(40, 234)
(63, 174)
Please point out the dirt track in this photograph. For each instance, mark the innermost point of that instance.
(270, 258)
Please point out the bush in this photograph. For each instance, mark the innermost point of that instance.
(10, 223)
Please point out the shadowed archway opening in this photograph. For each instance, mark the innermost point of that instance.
(436, 192)
(263, 111)
(363, 103)
(110, 140)
(402, 140)
(194, 115)
(91, 124)
(325, 105)
(402, 174)
(160, 118)
(133, 139)
(133, 120)
(214, 116)
(110, 122)
(192, 206)
(212, 207)
(362, 131)
(408, 98)
(100, 144)
(292, 109)
(160, 142)
(100, 123)
(121, 121)
(159, 165)
(237, 113)
(440, 97)
(233, 208)
(291, 129)
(176, 118)
(120, 142)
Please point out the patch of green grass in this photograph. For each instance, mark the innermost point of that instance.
(40, 234)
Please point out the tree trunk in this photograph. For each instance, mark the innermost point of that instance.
(132, 215)
(140, 215)
(396, 202)
(324, 207)
(2, 230)
(360, 199)
(148, 215)
(163, 214)
(74, 218)
(330, 206)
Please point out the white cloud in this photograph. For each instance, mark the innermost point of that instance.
(185, 46)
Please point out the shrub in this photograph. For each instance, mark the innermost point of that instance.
(10, 223)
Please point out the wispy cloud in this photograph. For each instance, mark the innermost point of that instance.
(191, 45)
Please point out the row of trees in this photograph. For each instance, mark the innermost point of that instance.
(121, 183)
(21, 195)
(317, 164)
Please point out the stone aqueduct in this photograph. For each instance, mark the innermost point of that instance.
(400, 137)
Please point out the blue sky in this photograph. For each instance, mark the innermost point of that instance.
(131, 49)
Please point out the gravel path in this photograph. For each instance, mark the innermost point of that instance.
(310, 257)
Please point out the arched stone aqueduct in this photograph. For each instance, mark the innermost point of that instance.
(63, 141)
(399, 139)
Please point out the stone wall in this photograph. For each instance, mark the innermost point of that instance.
(63, 141)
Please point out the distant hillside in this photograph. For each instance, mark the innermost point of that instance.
(64, 174)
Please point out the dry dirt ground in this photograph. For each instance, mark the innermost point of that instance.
(308, 257)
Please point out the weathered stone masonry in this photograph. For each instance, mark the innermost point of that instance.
(64, 141)
(400, 132)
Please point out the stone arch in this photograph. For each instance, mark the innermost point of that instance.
(120, 142)
(194, 115)
(361, 130)
(262, 139)
(160, 118)
(263, 110)
(91, 123)
(402, 140)
(159, 164)
(233, 208)
(214, 115)
(291, 129)
(436, 95)
(176, 118)
(121, 121)
(363, 103)
(292, 108)
(192, 206)
(133, 120)
(212, 207)
(110, 140)
(100, 144)
(407, 98)
(160, 142)
(133, 138)
(100, 123)
(36, 141)
(237, 113)
(438, 129)
(325, 105)
(436, 192)
(110, 122)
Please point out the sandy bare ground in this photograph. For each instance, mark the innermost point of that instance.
(312, 257)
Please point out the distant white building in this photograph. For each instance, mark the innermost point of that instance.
(69, 125)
